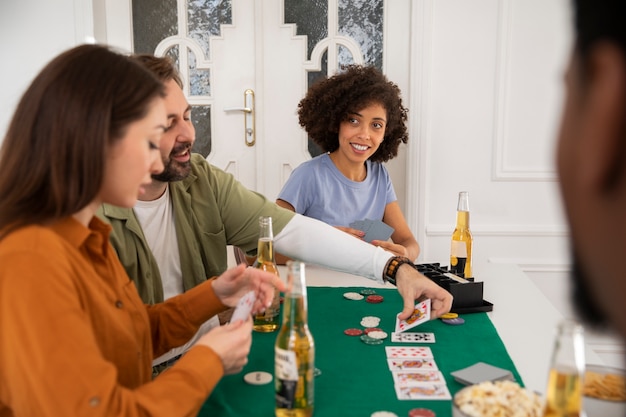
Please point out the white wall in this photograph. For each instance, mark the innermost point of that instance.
(32, 32)
(490, 91)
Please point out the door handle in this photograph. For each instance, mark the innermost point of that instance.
(249, 122)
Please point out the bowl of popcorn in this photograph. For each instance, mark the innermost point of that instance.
(496, 399)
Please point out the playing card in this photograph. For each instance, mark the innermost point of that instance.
(480, 372)
(420, 315)
(423, 392)
(244, 307)
(374, 229)
(417, 377)
(408, 352)
(401, 364)
(409, 337)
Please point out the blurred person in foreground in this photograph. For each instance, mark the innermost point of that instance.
(591, 160)
(176, 236)
(75, 337)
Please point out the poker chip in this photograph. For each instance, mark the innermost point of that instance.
(258, 378)
(353, 332)
(372, 329)
(370, 340)
(379, 334)
(454, 322)
(367, 291)
(449, 316)
(353, 296)
(374, 299)
(370, 321)
(421, 412)
(383, 414)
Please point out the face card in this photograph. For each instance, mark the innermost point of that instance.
(401, 364)
(408, 352)
(423, 392)
(421, 314)
(244, 307)
(417, 378)
(409, 337)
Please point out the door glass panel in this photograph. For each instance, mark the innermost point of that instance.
(311, 19)
(153, 21)
(360, 20)
(157, 20)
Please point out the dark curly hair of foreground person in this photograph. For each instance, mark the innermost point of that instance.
(330, 101)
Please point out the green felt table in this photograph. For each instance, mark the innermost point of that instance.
(355, 379)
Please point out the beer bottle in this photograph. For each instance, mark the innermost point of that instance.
(267, 321)
(564, 390)
(294, 352)
(461, 248)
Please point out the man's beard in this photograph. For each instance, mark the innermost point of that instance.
(172, 169)
(585, 306)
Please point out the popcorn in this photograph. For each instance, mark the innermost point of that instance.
(499, 399)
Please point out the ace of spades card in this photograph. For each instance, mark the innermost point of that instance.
(421, 314)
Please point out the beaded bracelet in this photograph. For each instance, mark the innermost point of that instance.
(391, 269)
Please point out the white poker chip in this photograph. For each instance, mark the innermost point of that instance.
(377, 335)
(258, 378)
(383, 414)
(366, 323)
(371, 318)
(353, 296)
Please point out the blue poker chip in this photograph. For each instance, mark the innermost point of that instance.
(457, 321)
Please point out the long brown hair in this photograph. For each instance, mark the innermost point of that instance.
(53, 155)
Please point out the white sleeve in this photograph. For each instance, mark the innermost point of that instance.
(315, 242)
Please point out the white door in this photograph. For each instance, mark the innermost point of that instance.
(247, 64)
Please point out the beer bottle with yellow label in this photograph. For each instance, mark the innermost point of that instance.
(294, 352)
(461, 247)
(267, 321)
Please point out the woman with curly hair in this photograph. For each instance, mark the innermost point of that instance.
(358, 120)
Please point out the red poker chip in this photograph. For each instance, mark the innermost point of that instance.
(374, 298)
(353, 332)
(421, 412)
(372, 329)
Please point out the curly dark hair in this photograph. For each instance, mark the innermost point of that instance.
(330, 101)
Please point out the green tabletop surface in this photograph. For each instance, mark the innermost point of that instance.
(355, 379)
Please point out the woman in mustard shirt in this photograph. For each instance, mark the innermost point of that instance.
(75, 338)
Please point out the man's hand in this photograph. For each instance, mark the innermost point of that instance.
(235, 282)
(414, 286)
(231, 342)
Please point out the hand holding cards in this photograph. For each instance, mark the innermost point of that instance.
(244, 307)
(374, 229)
(421, 314)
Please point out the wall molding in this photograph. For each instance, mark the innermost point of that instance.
(535, 265)
(502, 170)
(498, 230)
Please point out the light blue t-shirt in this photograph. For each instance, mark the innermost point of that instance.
(318, 189)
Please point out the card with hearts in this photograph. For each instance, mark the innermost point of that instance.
(421, 314)
(408, 352)
(244, 307)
